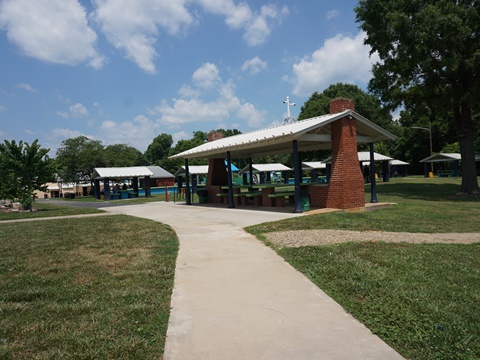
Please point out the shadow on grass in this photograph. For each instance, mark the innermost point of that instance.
(427, 192)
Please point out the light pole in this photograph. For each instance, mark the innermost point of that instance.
(429, 129)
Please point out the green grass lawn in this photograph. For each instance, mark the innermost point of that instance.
(423, 300)
(47, 210)
(90, 288)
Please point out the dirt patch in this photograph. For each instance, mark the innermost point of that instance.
(324, 237)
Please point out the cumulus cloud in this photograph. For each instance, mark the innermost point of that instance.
(340, 59)
(257, 25)
(332, 14)
(136, 133)
(206, 76)
(133, 26)
(75, 111)
(65, 133)
(222, 106)
(55, 31)
(254, 65)
(25, 87)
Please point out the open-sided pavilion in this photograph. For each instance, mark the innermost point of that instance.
(116, 173)
(341, 130)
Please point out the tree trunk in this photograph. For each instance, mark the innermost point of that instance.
(465, 126)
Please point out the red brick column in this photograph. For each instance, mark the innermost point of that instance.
(346, 188)
(266, 201)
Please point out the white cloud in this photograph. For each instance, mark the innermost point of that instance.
(3, 108)
(55, 31)
(225, 105)
(254, 65)
(341, 59)
(26, 87)
(257, 26)
(133, 26)
(75, 111)
(206, 76)
(137, 133)
(332, 14)
(65, 133)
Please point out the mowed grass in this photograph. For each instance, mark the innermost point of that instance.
(422, 299)
(90, 288)
(47, 210)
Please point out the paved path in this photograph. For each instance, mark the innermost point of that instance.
(235, 298)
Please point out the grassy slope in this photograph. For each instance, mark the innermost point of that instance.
(424, 300)
(85, 288)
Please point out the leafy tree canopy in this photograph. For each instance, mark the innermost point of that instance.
(24, 169)
(78, 157)
(159, 148)
(430, 54)
(366, 104)
(121, 155)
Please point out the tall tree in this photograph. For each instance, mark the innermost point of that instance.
(121, 155)
(78, 157)
(366, 104)
(430, 53)
(159, 148)
(25, 169)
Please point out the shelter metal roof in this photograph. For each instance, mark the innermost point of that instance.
(199, 169)
(398, 162)
(364, 156)
(121, 172)
(311, 134)
(193, 170)
(265, 168)
(311, 165)
(442, 157)
(159, 172)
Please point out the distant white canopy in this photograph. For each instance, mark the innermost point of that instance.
(310, 134)
(440, 157)
(121, 172)
(311, 165)
(265, 168)
(398, 162)
(193, 170)
(364, 156)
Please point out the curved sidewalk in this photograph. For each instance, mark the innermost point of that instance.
(235, 298)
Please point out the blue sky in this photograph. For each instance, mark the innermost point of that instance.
(124, 71)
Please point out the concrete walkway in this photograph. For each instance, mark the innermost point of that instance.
(235, 298)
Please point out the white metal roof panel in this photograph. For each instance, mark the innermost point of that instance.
(193, 170)
(364, 156)
(265, 168)
(121, 172)
(159, 172)
(442, 157)
(310, 165)
(311, 134)
(398, 162)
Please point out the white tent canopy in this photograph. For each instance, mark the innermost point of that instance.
(440, 157)
(364, 156)
(310, 134)
(312, 165)
(265, 168)
(193, 170)
(121, 172)
(398, 162)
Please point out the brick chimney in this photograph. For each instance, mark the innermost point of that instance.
(217, 174)
(346, 187)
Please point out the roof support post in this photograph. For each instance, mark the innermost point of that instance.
(230, 183)
(188, 199)
(297, 176)
(106, 189)
(373, 184)
(250, 171)
(97, 188)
